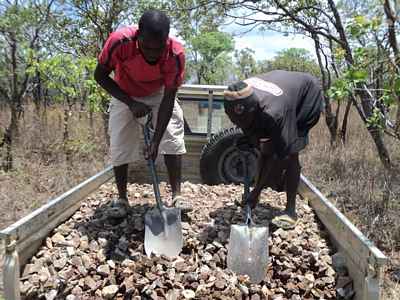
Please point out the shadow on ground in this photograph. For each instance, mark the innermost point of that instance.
(117, 236)
(224, 217)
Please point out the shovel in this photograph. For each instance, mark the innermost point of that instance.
(163, 228)
(248, 248)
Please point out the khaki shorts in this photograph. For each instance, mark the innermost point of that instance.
(126, 133)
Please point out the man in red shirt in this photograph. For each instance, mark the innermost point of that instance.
(148, 68)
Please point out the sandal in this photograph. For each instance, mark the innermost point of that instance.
(182, 204)
(285, 222)
(118, 208)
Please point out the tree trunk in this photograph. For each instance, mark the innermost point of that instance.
(82, 103)
(65, 132)
(366, 102)
(397, 125)
(15, 100)
(38, 94)
(374, 131)
(8, 164)
(198, 77)
(45, 107)
(10, 138)
(343, 131)
(330, 118)
(11, 132)
(391, 20)
(91, 121)
(67, 113)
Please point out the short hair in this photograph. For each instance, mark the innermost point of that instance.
(155, 23)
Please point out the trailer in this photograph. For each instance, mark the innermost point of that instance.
(205, 128)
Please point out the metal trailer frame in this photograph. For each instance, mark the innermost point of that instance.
(21, 240)
(364, 261)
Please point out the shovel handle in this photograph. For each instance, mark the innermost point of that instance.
(244, 158)
(246, 192)
(150, 162)
(249, 220)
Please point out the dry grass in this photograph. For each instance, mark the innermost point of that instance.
(351, 176)
(41, 170)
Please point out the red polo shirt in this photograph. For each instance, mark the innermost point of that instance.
(132, 73)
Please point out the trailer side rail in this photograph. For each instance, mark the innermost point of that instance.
(364, 261)
(23, 238)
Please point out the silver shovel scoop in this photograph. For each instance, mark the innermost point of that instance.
(248, 249)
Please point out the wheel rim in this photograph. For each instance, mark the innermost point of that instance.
(230, 167)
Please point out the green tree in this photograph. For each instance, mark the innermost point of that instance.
(211, 46)
(70, 80)
(22, 29)
(327, 22)
(292, 59)
(246, 63)
(89, 24)
(193, 22)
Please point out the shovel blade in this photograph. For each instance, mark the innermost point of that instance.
(163, 232)
(248, 251)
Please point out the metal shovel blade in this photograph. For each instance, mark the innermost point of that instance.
(163, 232)
(248, 251)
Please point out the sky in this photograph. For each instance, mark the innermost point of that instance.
(267, 44)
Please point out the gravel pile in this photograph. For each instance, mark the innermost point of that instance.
(92, 256)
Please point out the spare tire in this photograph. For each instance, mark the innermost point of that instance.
(220, 161)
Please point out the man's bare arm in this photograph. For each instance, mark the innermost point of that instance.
(102, 77)
(264, 164)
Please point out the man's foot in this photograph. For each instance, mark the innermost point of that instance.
(118, 208)
(182, 203)
(285, 221)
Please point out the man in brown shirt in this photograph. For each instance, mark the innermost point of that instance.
(275, 111)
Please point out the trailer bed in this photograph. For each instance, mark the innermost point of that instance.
(46, 230)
